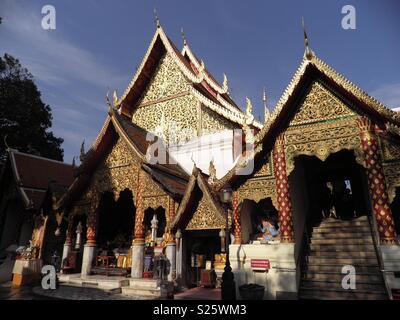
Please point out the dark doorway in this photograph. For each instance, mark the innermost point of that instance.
(333, 188)
(395, 207)
(201, 246)
(116, 220)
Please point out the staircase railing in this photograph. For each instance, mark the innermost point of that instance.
(304, 250)
(375, 238)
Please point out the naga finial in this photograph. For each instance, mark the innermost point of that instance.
(308, 52)
(115, 98)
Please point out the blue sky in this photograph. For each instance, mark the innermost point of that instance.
(99, 44)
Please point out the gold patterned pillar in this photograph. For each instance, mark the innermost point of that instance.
(236, 218)
(282, 190)
(92, 220)
(376, 181)
(69, 232)
(139, 227)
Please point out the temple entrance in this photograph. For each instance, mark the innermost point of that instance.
(334, 188)
(205, 258)
(115, 232)
(395, 207)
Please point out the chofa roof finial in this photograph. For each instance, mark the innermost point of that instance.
(183, 37)
(156, 19)
(265, 102)
(308, 52)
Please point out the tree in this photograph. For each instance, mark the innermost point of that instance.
(24, 118)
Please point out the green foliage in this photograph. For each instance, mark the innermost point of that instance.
(24, 118)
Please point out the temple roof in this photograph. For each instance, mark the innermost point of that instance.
(196, 188)
(310, 69)
(204, 86)
(171, 177)
(33, 175)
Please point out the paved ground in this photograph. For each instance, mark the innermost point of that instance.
(9, 292)
(199, 294)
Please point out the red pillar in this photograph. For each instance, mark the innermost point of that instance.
(376, 181)
(236, 218)
(282, 190)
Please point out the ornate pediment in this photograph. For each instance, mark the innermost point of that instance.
(320, 104)
(205, 217)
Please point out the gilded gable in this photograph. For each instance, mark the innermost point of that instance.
(205, 218)
(167, 81)
(320, 104)
(117, 171)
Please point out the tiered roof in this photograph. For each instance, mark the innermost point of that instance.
(311, 68)
(171, 177)
(204, 86)
(34, 174)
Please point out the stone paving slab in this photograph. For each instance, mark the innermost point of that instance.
(66, 292)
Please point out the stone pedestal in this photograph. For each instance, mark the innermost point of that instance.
(280, 281)
(26, 271)
(87, 260)
(137, 259)
(391, 265)
(171, 256)
(67, 249)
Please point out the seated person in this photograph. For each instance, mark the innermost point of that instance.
(268, 229)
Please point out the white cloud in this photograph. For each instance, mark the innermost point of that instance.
(388, 94)
(50, 55)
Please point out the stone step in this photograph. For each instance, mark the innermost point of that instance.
(321, 284)
(145, 283)
(136, 292)
(317, 247)
(343, 229)
(332, 294)
(343, 254)
(338, 268)
(340, 241)
(334, 276)
(342, 235)
(342, 261)
(345, 223)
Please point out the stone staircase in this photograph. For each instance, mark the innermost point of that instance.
(334, 244)
(150, 288)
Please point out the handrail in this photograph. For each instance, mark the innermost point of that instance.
(302, 259)
(375, 239)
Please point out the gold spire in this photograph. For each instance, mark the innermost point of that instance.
(183, 37)
(308, 52)
(156, 19)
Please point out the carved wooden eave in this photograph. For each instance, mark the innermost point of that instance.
(160, 44)
(113, 129)
(185, 210)
(310, 69)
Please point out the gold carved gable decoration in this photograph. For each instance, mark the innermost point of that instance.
(205, 217)
(320, 104)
